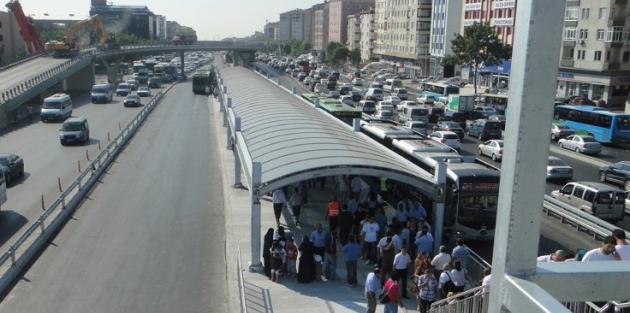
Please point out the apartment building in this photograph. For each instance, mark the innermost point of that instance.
(292, 25)
(320, 26)
(271, 30)
(367, 40)
(595, 53)
(499, 13)
(403, 30)
(338, 17)
(446, 21)
(354, 31)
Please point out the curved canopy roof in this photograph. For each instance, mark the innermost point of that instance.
(294, 141)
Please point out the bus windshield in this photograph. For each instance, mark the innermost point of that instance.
(478, 211)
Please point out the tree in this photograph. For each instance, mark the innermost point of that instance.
(330, 51)
(479, 45)
(339, 54)
(52, 35)
(355, 57)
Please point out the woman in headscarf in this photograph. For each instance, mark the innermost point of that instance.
(306, 269)
(268, 239)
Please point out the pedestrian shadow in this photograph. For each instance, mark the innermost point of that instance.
(257, 299)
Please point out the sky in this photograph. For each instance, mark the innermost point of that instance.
(212, 19)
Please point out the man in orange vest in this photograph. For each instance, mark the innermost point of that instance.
(332, 215)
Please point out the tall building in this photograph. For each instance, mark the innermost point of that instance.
(445, 23)
(338, 17)
(499, 13)
(11, 42)
(160, 28)
(354, 32)
(320, 26)
(595, 53)
(403, 34)
(136, 20)
(368, 36)
(271, 30)
(292, 25)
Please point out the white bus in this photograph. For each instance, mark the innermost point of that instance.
(3, 189)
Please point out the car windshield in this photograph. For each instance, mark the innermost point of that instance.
(72, 126)
(555, 162)
(124, 86)
(4, 161)
(132, 97)
(99, 90)
(453, 125)
(386, 113)
(588, 139)
(450, 136)
(494, 125)
(143, 89)
(368, 105)
(420, 112)
(402, 91)
(418, 126)
(51, 105)
(562, 126)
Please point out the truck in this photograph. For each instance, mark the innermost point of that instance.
(184, 40)
(69, 46)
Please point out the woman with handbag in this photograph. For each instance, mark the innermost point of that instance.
(459, 276)
(390, 298)
(427, 290)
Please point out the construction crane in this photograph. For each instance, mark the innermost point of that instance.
(69, 46)
(29, 32)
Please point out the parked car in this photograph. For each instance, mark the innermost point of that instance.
(484, 129)
(448, 138)
(499, 118)
(12, 166)
(492, 148)
(132, 100)
(559, 131)
(357, 81)
(558, 170)
(417, 126)
(485, 111)
(581, 144)
(450, 126)
(618, 173)
(144, 91)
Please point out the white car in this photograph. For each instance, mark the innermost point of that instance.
(558, 170)
(347, 100)
(493, 149)
(448, 138)
(357, 82)
(393, 99)
(385, 115)
(581, 144)
(426, 99)
(334, 94)
(308, 80)
(417, 126)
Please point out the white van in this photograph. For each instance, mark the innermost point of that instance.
(412, 112)
(392, 83)
(102, 93)
(401, 93)
(57, 107)
(367, 106)
(601, 200)
(375, 93)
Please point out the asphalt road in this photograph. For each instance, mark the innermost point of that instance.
(17, 74)
(151, 236)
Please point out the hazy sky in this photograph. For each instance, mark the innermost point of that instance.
(211, 19)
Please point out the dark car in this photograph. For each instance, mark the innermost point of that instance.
(618, 173)
(12, 166)
(499, 118)
(484, 129)
(453, 116)
(450, 126)
(356, 96)
(132, 101)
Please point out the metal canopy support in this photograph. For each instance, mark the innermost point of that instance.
(237, 159)
(440, 180)
(255, 263)
(533, 81)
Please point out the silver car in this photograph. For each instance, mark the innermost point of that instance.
(559, 131)
(493, 149)
(558, 170)
(581, 144)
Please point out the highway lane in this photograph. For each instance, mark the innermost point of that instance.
(151, 236)
(19, 74)
(46, 161)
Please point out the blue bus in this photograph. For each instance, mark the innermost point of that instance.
(438, 89)
(604, 125)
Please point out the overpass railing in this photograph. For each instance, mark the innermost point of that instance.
(37, 235)
(19, 60)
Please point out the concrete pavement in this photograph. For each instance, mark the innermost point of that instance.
(263, 295)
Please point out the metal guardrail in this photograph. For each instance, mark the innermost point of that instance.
(19, 60)
(241, 281)
(21, 252)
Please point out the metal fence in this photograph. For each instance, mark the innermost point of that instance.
(37, 235)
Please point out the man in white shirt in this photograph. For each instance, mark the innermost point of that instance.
(355, 185)
(558, 256)
(606, 252)
(401, 264)
(372, 288)
(369, 231)
(279, 200)
(622, 247)
(440, 259)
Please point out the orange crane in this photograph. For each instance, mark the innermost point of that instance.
(29, 32)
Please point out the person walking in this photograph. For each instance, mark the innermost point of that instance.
(31, 111)
(369, 232)
(306, 269)
(622, 247)
(296, 202)
(277, 258)
(459, 276)
(427, 290)
(278, 204)
(266, 253)
(372, 285)
(318, 237)
(351, 251)
(391, 289)
(401, 266)
(332, 214)
(332, 247)
(342, 189)
(461, 253)
(207, 91)
(346, 220)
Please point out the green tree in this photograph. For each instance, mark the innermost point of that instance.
(355, 57)
(52, 35)
(480, 44)
(339, 55)
(330, 52)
